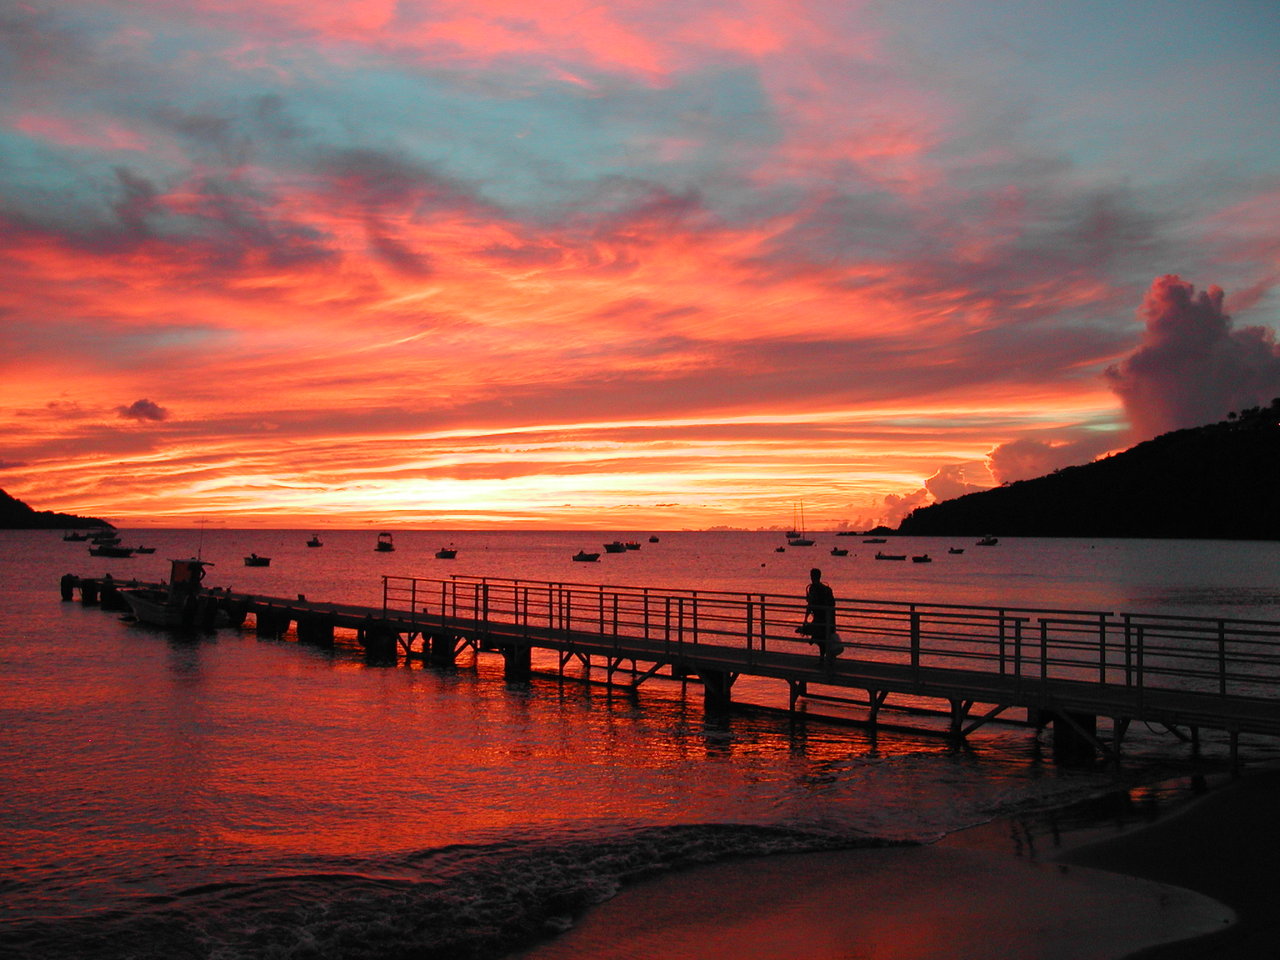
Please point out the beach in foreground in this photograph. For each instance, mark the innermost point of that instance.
(1195, 884)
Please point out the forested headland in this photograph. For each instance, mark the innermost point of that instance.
(16, 515)
(1220, 481)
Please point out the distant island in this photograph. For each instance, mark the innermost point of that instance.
(1220, 481)
(16, 515)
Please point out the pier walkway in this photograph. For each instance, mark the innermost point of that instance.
(1067, 668)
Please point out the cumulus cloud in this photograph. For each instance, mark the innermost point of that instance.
(1192, 368)
(1030, 457)
(143, 410)
(956, 479)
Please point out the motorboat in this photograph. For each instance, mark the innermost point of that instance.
(922, 558)
(839, 552)
(890, 556)
(385, 543)
(180, 603)
(583, 557)
(253, 560)
(617, 546)
(110, 550)
(988, 541)
(955, 550)
(141, 549)
(446, 553)
(654, 539)
(875, 540)
(73, 535)
(632, 544)
(315, 541)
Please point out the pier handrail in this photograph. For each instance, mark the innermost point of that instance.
(1225, 657)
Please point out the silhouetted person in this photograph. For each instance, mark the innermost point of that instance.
(820, 615)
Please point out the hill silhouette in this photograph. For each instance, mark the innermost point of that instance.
(1220, 481)
(16, 515)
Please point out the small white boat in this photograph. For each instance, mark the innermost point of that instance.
(181, 603)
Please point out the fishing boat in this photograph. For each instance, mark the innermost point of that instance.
(890, 556)
(955, 550)
(385, 543)
(110, 550)
(315, 541)
(617, 546)
(922, 558)
(73, 535)
(632, 544)
(253, 560)
(447, 553)
(583, 557)
(839, 552)
(180, 603)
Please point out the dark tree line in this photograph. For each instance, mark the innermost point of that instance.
(16, 515)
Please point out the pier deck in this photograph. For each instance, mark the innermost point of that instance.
(1064, 667)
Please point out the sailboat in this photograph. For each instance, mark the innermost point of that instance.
(796, 537)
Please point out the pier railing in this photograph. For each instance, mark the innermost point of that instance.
(1226, 657)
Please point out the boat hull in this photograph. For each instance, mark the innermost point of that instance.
(159, 609)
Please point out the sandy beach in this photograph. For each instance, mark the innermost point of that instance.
(1197, 883)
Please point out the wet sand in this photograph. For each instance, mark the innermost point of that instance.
(1197, 883)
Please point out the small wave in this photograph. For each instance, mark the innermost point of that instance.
(463, 903)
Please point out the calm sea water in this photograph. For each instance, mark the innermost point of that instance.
(223, 796)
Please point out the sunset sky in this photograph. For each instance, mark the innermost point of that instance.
(629, 265)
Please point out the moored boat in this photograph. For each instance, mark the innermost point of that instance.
(180, 603)
(447, 553)
(617, 546)
(988, 541)
(583, 557)
(315, 541)
(385, 543)
(253, 560)
(110, 550)
(839, 552)
(890, 556)
(922, 558)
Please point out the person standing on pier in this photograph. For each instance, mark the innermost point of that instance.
(820, 617)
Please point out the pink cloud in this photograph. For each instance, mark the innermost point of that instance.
(1192, 368)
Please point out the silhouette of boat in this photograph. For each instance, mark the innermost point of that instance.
(876, 540)
(922, 558)
(988, 541)
(632, 544)
(446, 553)
(839, 552)
(253, 560)
(617, 546)
(890, 556)
(385, 543)
(99, 539)
(179, 604)
(796, 537)
(141, 549)
(955, 550)
(110, 550)
(654, 539)
(315, 541)
(583, 557)
(73, 535)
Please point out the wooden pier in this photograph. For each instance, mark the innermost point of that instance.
(1064, 668)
